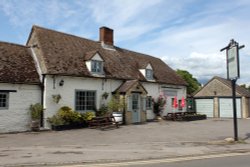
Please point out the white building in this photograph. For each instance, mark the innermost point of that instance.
(80, 71)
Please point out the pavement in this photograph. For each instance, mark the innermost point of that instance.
(153, 140)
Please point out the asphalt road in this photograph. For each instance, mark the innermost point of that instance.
(153, 140)
(220, 160)
(236, 161)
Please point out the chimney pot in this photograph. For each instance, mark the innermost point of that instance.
(106, 36)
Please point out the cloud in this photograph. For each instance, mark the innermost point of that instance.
(186, 35)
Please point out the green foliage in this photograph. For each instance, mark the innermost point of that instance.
(66, 116)
(116, 103)
(245, 86)
(69, 116)
(56, 120)
(102, 111)
(159, 104)
(192, 82)
(36, 111)
(87, 116)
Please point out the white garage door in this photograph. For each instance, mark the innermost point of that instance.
(205, 106)
(226, 108)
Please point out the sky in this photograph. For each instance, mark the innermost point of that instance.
(185, 34)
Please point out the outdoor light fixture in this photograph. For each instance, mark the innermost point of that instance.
(61, 83)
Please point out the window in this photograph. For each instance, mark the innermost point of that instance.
(149, 74)
(96, 66)
(179, 105)
(149, 102)
(135, 101)
(4, 100)
(85, 100)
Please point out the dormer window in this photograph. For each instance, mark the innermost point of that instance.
(149, 74)
(96, 66)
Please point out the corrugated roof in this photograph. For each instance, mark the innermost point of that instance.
(65, 54)
(16, 64)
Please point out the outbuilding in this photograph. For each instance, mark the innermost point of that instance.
(215, 99)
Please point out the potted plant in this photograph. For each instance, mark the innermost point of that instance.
(116, 106)
(159, 105)
(56, 98)
(105, 95)
(35, 112)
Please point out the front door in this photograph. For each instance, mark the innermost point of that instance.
(136, 108)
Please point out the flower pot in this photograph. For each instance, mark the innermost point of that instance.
(35, 125)
(118, 117)
(68, 127)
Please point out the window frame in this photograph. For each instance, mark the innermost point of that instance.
(84, 107)
(149, 74)
(6, 101)
(97, 66)
(149, 103)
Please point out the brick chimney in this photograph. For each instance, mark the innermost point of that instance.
(106, 36)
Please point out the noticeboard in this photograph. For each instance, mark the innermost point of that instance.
(233, 71)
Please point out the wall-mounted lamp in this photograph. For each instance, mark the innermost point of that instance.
(61, 83)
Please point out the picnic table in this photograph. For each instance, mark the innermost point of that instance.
(177, 115)
(103, 122)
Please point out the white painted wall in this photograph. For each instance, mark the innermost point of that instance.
(155, 89)
(67, 91)
(17, 118)
(71, 84)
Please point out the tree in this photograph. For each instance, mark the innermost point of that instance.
(245, 86)
(192, 82)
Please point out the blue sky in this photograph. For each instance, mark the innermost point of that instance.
(186, 34)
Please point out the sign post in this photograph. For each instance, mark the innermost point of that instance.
(233, 73)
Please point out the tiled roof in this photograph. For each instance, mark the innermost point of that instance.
(128, 85)
(242, 91)
(65, 54)
(16, 64)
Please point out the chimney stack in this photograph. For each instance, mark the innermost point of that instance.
(106, 36)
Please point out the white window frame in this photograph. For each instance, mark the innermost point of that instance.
(4, 105)
(87, 104)
(97, 66)
(149, 74)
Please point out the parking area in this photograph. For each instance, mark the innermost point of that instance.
(151, 140)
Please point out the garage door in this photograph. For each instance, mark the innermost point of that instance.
(205, 106)
(226, 108)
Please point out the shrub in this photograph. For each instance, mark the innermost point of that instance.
(36, 111)
(116, 103)
(87, 116)
(102, 111)
(66, 116)
(56, 120)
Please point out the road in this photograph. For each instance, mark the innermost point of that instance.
(219, 160)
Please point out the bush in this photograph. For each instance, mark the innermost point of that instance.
(56, 120)
(36, 111)
(69, 116)
(88, 116)
(102, 111)
(66, 116)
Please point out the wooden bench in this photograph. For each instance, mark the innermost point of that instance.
(103, 122)
(177, 115)
(174, 116)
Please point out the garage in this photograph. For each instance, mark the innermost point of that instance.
(226, 107)
(215, 99)
(205, 106)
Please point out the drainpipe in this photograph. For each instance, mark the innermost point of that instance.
(124, 110)
(42, 99)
